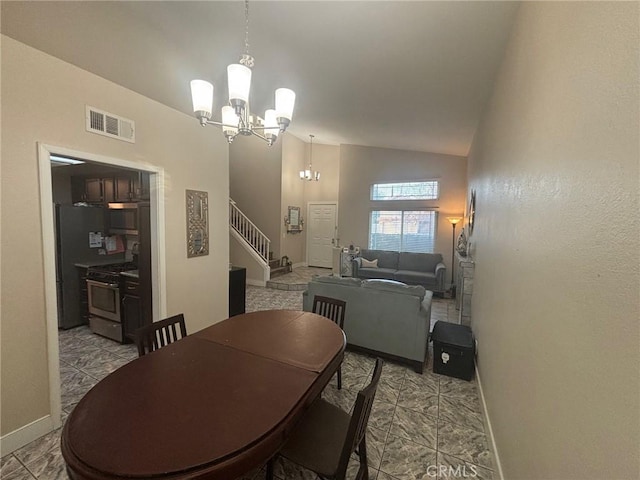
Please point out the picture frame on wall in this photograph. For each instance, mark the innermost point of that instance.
(197, 204)
(472, 211)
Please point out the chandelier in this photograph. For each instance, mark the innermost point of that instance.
(309, 174)
(236, 117)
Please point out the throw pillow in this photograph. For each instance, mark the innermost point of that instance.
(369, 263)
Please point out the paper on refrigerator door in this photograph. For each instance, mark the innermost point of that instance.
(114, 244)
(95, 239)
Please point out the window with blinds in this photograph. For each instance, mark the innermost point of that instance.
(403, 230)
(405, 191)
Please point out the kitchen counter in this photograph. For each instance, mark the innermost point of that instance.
(130, 274)
(95, 263)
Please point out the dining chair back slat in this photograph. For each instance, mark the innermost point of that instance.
(160, 334)
(356, 433)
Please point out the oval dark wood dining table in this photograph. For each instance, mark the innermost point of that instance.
(213, 405)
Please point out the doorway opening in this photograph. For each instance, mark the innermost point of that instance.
(98, 210)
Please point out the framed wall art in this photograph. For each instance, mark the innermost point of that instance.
(197, 223)
(472, 211)
(293, 221)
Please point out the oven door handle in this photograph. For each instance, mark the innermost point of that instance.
(103, 284)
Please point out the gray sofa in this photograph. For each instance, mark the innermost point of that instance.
(385, 318)
(424, 269)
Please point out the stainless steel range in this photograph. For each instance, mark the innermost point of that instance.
(103, 288)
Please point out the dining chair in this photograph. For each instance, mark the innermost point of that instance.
(159, 334)
(326, 436)
(333, 309)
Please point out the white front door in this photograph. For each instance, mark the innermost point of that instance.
(321, 230)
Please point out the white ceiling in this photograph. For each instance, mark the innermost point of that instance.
(408, 75)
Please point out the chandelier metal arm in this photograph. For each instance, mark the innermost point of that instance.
(204, 122)
(259, 135)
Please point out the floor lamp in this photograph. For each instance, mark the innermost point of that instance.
(454, 221)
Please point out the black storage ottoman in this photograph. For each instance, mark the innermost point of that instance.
(453, 350)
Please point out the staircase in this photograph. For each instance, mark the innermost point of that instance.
(251, 238)
(277, 269)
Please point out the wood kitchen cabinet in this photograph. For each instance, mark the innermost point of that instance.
(141, 187)
(121, 188)
(83, 297)
(136, 304)
(133, 187)
(131, 309)
(92, 190)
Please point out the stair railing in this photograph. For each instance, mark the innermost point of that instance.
(247, 230)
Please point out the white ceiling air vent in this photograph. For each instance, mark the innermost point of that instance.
(110, 125)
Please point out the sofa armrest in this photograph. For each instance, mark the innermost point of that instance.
(441, 269)
(355, 265)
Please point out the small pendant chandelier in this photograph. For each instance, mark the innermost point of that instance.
(309, 174)
(237, 117)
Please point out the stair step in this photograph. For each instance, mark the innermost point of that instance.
(276, 272)
(298, 287)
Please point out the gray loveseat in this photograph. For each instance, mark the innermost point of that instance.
(388, 319)
(424, 269)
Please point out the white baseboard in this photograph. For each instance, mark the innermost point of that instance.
(299, 264)
(22, 436)
(256, 283)
(487, 421)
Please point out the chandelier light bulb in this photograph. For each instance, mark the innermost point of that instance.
(229, 120)
(285, 101)
(271, 129)
(202, 98)
(309, 174)
(239, 78)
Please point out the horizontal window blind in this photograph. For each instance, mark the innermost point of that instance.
(403, 230)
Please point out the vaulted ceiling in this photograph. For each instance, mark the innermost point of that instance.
(407, 75)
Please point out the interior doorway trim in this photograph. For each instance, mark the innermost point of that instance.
(158, 265)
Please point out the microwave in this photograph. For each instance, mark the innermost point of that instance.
(123, 218)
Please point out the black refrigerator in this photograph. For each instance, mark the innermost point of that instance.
(72, 227)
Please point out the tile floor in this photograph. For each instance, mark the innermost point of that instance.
(419, 423)
(297, 279)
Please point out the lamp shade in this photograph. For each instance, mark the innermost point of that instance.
(229, 117)
(239, 78)
(285, 100)
(202, 96)
(454, 220)
(270, 123)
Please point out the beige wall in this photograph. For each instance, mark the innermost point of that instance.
(556, 293)
(272, 176)
(293, 150)
(255, 180)
(43, 100)
(240, 257)
(360, 167)
(326, 160)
